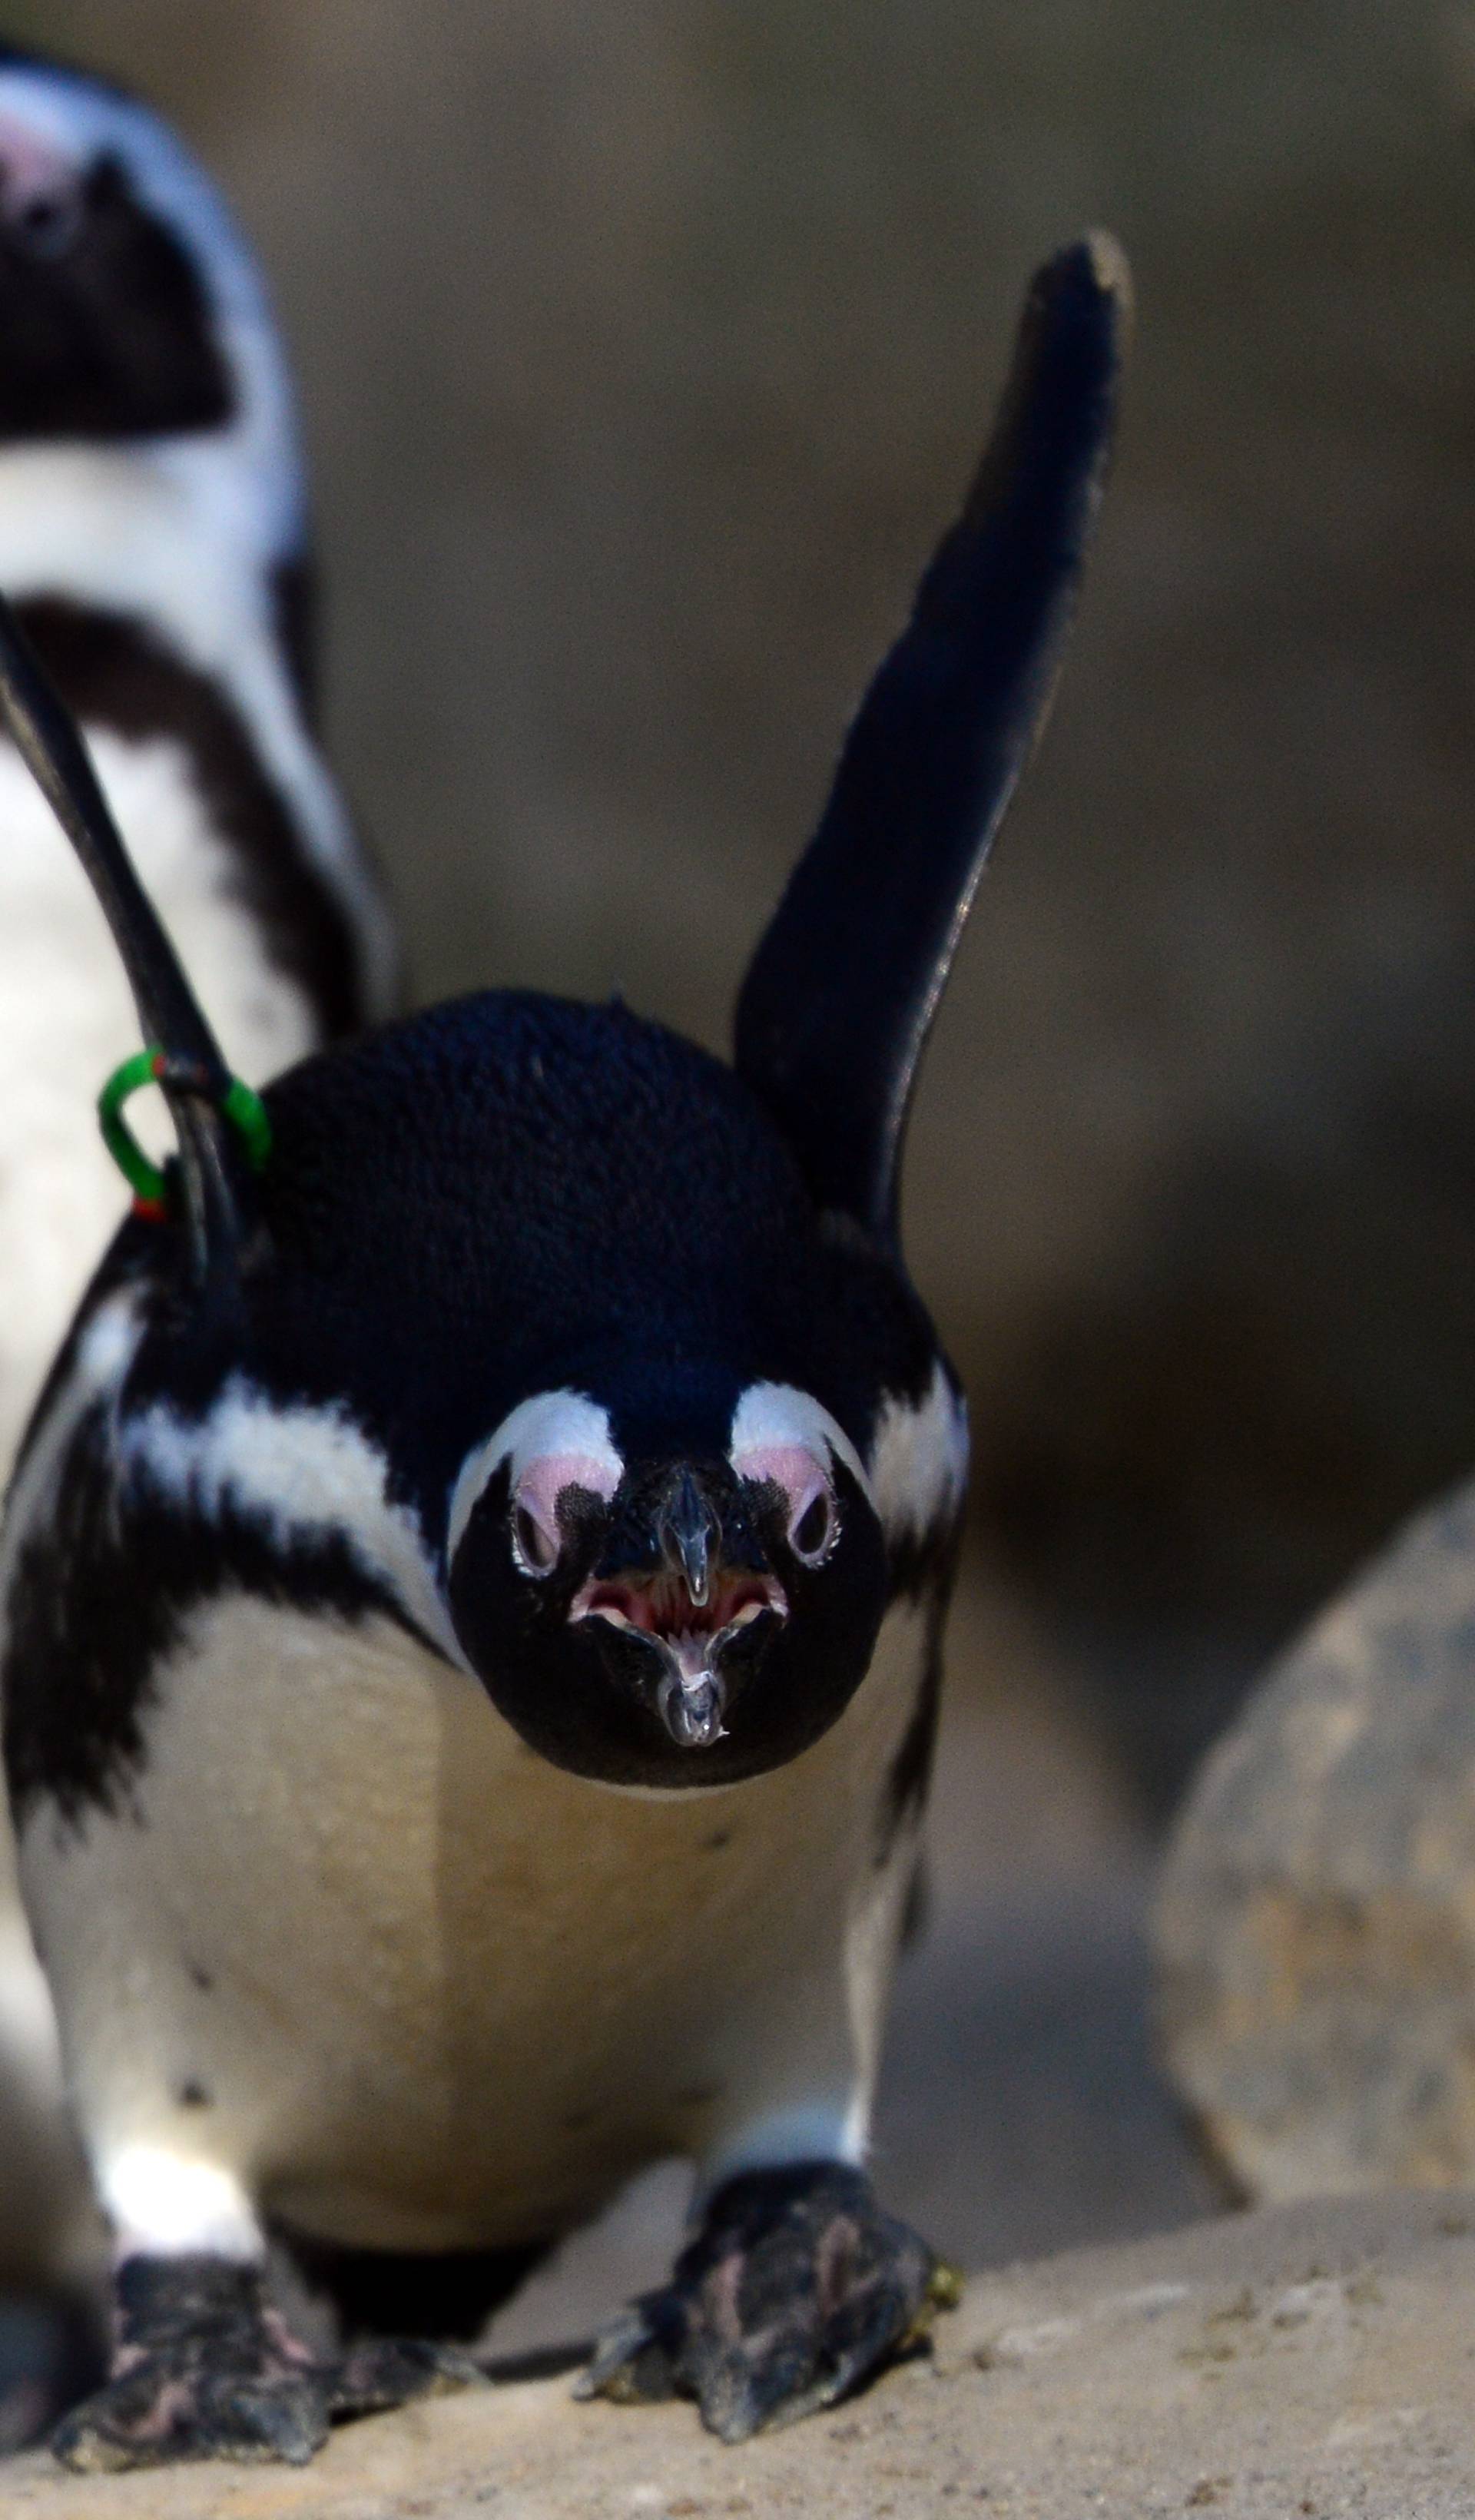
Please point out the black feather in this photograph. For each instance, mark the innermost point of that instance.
(47, 737)
(840, 996)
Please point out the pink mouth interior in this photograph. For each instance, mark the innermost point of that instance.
(662, 1606)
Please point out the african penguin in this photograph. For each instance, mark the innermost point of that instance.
(472, 1594)
(153, 539)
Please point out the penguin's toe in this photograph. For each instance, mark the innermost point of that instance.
(389, 2370)
(173, 2407)
(797, 2287)
(205, 2367)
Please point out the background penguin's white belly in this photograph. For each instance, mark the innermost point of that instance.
(65, 1021)
(352, 1940)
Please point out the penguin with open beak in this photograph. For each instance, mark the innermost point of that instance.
(153, 539)
(472, 1594)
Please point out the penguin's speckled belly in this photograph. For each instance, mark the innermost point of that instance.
(354, 1942)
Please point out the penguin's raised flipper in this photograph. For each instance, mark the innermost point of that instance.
(835, 1010)
(192, 1074)
(796, 2290)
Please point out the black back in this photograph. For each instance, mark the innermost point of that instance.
(839, 999)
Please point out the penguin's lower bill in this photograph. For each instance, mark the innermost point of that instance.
(686, 1644)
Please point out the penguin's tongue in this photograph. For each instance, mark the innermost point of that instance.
(661, 1605)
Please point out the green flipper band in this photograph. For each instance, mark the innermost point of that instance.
(247, 1114)
(245, 1110)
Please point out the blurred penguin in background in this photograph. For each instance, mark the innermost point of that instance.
(154, 538)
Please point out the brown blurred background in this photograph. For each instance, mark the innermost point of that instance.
(645, 350)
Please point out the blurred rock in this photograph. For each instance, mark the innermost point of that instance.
(1315, 1927)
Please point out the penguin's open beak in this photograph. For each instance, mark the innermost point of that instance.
(687, 1611)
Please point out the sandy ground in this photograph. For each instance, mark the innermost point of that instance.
(1314, 2359)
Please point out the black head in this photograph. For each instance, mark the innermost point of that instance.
(674, 1615)
(568, 1278)
(129, 306)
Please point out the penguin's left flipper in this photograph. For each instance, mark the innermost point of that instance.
(796, 2288)
(207, 2367)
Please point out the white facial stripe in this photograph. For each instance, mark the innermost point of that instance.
(563, 1425)
(309, 1471)
(775, 1417)
(919, 1459)
(34, 165)
(800, 1473)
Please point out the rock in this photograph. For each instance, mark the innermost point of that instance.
(1316, 1925)
(1305, 2359)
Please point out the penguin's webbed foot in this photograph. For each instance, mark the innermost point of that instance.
(205, 2367)
(796, 2290)
(385, 2371)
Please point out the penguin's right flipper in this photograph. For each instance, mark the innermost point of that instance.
(835, 1010)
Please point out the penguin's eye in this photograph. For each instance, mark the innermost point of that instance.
(533, 1549)
(814, 1531)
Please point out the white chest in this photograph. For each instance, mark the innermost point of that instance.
(431, 1987)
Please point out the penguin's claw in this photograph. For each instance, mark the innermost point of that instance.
(796, 2288)
(206, 2368)
(161, 2411)
(389, 2370)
